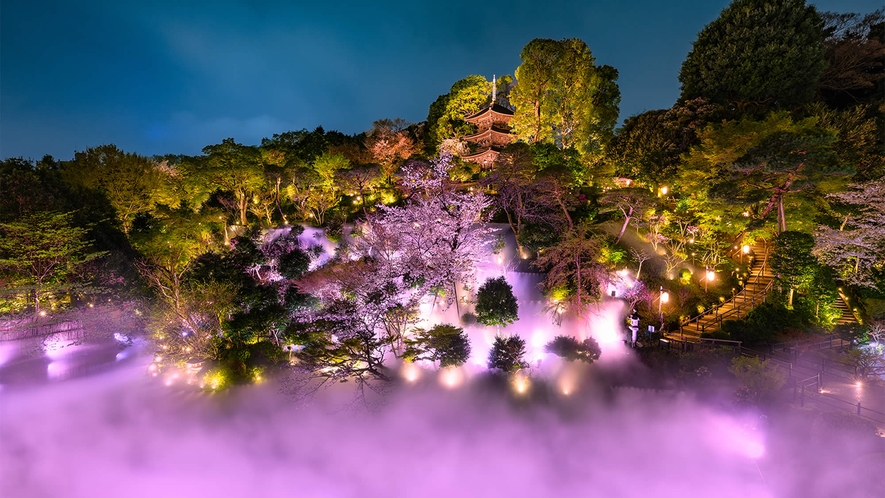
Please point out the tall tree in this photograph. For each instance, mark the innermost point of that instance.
(757, 52)
(42, 250)
(443, 343)
(648, 148)
(129, 181)
(562, 96)
(446, 116)
(230, 167)
(747, 162)
(793, 261)
(390, 143)
(572, 266)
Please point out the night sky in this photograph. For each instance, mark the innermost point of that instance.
(163, 76)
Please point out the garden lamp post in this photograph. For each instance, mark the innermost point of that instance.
(710, 274)
(665, 297)
(744, 250)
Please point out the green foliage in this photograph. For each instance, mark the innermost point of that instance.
(41, 251)
(129, 181)
(230, 167)
(791, 258)
(759, 377)
(755, 52)
(563, 97)
(765, 323)
(572, 263)
(648, 148)
(443, 343)
(571, 349)
(445, 118)
(611, 254)
(495, 303)
(507, 354)
(759, 164)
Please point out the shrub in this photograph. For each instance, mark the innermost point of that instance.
(508, 354)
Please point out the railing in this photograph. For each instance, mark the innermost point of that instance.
(736, 309)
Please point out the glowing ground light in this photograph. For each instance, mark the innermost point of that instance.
(520, 383)
(566, 383)
(411, 372)
(451, 377)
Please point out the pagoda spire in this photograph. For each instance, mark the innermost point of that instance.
(494, 89)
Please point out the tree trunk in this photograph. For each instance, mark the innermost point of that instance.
(243, 206)
(781, 218)
(457, 305)
(627, 217)
(578, 265)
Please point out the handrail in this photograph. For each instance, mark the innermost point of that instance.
(765, 291)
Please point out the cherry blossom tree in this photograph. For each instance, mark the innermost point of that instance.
(856, 250)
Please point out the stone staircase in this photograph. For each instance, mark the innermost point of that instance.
(759, 282)
(848, 316)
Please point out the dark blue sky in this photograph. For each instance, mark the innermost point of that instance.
(174, 76)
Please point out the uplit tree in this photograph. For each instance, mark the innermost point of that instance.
(648, 148)
(507, 354)
(572, 264)
(791, 258)
(443, 343)
(129, 181)
(749, 162)
(495, 303)
(562, 96)
(446, 116)
(230, 167)
(42, 251)
(631, 202)
(438, 236)
(856, 250)
(390, 143)
(571, 349)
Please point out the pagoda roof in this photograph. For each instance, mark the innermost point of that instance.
(494, 108)
(494, 130)
(484, 155)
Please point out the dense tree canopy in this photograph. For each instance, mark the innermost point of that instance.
(495, 303)
(562, 96)
(757, 52)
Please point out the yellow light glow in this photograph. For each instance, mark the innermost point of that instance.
(411, 372)
(746, 249)
(665, 297)
(664, 190)
(451, 377)
(520, 383)
(711, 275)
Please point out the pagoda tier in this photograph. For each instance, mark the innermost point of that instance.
(484, 157)
(491, 136)
(493, 115)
